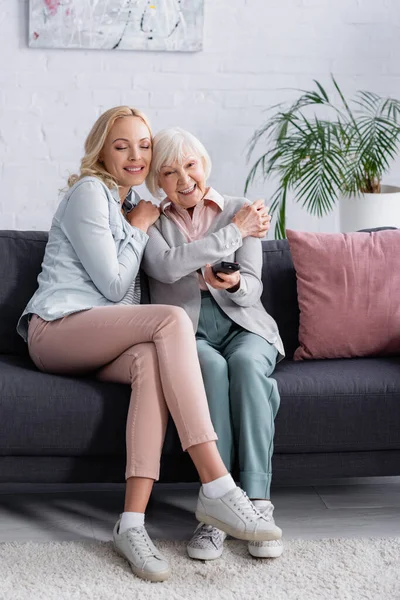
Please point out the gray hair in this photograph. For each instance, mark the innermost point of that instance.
(170, 145)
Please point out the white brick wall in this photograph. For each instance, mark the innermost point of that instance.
(254, 52)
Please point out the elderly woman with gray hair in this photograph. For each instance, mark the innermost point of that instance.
(238, 342)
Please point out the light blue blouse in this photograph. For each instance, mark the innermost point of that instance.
(92, 256)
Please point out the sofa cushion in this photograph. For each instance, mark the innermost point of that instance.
(55, 415)
(348, 288)
(279, 295)
(21, 255)
(338, 405)
(326, 406)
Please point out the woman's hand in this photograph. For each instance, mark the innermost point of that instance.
(143, 215)
(253, 219)
(231, 280)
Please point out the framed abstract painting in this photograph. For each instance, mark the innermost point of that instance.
(173, 25)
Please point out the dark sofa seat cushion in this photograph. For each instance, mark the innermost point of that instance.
(338, 405)
(55, 415)
(326, 406)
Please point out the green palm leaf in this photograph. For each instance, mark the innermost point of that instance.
(318, 159)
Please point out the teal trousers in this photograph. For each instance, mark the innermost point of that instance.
(236, 366)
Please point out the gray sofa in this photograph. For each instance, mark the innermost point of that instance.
(338, 418)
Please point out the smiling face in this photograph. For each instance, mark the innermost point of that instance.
(126, 153)
(184, 182)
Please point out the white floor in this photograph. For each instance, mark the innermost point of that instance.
(340, 508)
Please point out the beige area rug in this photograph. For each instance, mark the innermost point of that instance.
(338, 569)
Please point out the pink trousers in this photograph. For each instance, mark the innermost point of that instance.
(150, 347)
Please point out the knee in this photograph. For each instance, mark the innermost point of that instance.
(142, 355)
(246, 369)
(243, 363)
(214, 364)
(178, 316)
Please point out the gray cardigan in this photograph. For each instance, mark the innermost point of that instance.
(171, 264)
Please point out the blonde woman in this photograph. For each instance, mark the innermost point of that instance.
(85, 316)
(237, 341)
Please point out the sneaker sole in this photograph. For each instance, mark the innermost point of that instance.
(198, 554)
(249, 536)
(153, 577)
(271, 553)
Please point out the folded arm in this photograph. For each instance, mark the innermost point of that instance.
(168, 264)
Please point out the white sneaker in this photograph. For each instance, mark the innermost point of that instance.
(235, 514)
(207, 542)
(145, 560)
(271, 549)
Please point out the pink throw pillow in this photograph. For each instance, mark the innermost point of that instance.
(348, 287)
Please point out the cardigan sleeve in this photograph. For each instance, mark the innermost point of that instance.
(249, 256)
(169, 264)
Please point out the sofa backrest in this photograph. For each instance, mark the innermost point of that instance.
(279, 295)
(21, 255)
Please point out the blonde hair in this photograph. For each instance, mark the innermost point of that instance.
(170, 145)
(90, 163)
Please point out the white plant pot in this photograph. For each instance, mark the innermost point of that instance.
(365, 211)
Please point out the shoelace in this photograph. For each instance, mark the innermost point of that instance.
(141, 542)
(208, 533)
(246, 507)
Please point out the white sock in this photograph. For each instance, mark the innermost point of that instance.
(261, 505)
(219, 487)
(131, 519)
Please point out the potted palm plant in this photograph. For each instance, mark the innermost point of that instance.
(339, 156)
